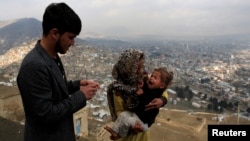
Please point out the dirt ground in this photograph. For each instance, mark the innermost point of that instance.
(170, 125)
(178, 125)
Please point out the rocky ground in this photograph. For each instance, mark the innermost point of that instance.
(179, 125)
(171, 125)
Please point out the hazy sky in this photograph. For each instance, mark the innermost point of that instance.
(145, 17)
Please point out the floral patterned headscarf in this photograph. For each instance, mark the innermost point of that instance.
(125, 70)
(126, 76)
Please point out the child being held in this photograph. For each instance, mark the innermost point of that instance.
(148, 89)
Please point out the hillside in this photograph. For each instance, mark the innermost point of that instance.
(4, 23)
(179, 125)
(171, 124)
(19, 32)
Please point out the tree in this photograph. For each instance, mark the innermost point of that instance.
(180, 92)
(223, 104)
(236, 104)
(205, 96)
(209, 106)
(186, 88)
(230, 105)
(248, 110)
(189, 95)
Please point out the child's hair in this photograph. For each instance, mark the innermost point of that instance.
(166, 77)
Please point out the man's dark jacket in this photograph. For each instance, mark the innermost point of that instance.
(49, 100)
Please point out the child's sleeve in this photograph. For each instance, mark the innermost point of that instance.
(164, 98)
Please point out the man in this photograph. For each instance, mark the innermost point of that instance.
(50, 100)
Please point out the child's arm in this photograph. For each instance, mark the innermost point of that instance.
(158, 102)
(164, 98)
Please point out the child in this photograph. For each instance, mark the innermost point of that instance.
(149, 89)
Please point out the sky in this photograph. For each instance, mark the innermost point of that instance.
(167, 18)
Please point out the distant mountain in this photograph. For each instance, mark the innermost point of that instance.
(19, 32)
(104, 42)
(4, 23)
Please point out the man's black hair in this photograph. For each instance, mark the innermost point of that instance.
(62, 17)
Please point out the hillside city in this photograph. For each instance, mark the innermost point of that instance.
(216, 68)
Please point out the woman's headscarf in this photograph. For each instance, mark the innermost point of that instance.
(126, 76)
(125, 70)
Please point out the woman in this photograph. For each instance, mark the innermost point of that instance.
(128, 73)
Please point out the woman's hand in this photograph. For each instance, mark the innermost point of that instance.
(139, 92)
(155, 103)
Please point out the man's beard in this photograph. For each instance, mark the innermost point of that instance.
(58, 46)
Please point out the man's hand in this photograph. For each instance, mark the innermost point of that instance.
(89, 88)
(155, 103)
(86, 82)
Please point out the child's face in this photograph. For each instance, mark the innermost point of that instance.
(154, 81)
